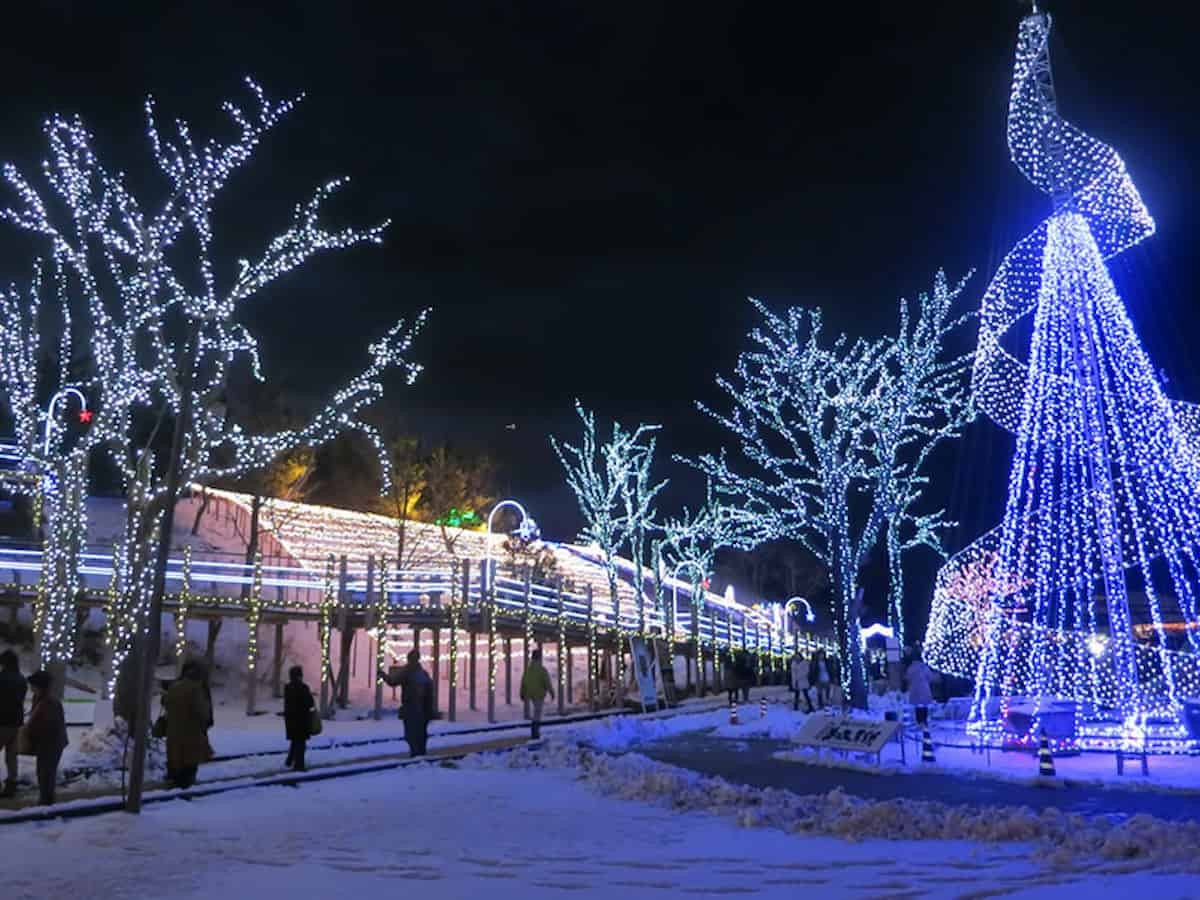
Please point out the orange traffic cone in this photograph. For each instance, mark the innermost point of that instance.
(733, 718)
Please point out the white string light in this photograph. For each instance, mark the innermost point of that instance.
(124, 288)
(1104, 489)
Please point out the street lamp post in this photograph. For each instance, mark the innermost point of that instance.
(809, 616)
(526, 528)
(54, 401)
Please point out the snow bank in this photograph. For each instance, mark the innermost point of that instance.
(1061, 840)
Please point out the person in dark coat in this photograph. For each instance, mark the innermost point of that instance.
(12, 716)
(298, 705)
(201, 674)
(416, 701)
(47, 733)
(744, 668)
(188, 713)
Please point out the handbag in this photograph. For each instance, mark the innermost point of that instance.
(314, 723)
(24, 742)
(160, 727)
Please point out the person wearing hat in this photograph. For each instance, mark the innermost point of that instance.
(298, 705)
(12, 715)
(46, 731)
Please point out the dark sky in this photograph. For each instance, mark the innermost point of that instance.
(586, 192)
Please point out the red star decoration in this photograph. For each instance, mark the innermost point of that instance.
(85, 416)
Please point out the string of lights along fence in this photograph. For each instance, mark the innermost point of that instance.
(1076, 614)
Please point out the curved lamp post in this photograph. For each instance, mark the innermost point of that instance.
(809, 616)
(526, 529)
(54, 401)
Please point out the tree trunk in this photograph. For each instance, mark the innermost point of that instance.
(204, 498)
(153, 633)
(210, 642)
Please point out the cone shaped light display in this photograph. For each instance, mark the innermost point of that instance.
(1078, 614)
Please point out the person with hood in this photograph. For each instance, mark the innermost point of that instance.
(800, 685)
(46, 731)
(535, 687)
(189, 714)
(12, 716)
(920, 691)
(298, 705)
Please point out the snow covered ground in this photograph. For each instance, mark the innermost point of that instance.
(532, 825)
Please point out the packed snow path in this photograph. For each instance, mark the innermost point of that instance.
(520, 833)
(753, 762)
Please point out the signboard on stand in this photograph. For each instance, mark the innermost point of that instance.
(847, 733)
(643, 669)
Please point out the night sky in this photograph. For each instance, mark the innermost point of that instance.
(587, 192)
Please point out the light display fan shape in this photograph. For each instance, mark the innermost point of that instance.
(1087, 592)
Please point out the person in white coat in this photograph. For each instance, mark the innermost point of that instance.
(800, 685)
(920, 691)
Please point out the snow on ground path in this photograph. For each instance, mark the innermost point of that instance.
(460, 833)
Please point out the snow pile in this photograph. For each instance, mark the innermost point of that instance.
(1062, 840)
(620, 732)
(781, 723)
(102, 752)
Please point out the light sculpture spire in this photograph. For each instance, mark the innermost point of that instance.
(1087, 592)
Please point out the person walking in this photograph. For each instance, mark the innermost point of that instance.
(800, 685)
(920, 687)
(729, 677)
(820, 675)
(12, 716)
(47, 734)
(745, 674)
(535, 687)
(298, 705)
(189, 715)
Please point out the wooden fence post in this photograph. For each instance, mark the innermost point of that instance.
(254, 613)
(325, 635)
(525, 648)
(277, 662)
(452, 681)
(593, 681)
(489, 606)
(508, 671)
(437, 666)
(472, 641)
(564, 652)
(342, 687)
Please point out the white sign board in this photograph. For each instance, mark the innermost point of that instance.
(847, 733)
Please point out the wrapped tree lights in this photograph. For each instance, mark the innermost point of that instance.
(155, 321)
(610, 481)
(1099, 542)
